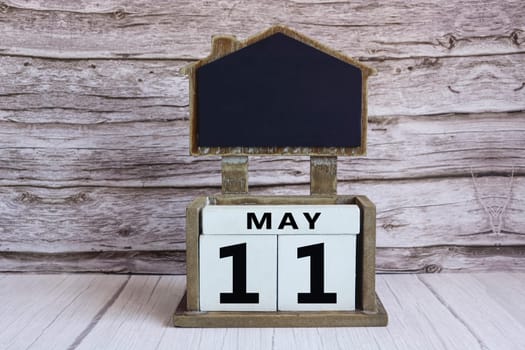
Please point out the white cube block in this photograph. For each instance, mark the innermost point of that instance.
(316, 272)
(281, 219)
(244, 278)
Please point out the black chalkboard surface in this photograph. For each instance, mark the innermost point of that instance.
(278, 92)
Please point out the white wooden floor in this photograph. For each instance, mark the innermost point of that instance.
(437, 311)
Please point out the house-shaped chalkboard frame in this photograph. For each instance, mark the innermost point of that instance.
(323, 190)
(227, 45)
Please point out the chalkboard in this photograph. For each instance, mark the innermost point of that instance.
(279, 92)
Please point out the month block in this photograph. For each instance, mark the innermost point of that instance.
(281, 219)
(238, 272)
(316, 272)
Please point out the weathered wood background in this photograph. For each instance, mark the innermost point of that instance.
(94, 166)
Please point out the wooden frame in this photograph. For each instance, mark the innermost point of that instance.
(323, 188)
(224, 45)
(369, 310)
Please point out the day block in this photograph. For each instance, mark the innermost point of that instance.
(238, 273)
(280, 219)
(316, 272)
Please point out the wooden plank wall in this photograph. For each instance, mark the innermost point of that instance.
(94, 165)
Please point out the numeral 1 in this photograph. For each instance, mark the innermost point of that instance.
(317, 294)
(238, 295)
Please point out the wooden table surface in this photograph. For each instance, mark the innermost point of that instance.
(89, 311)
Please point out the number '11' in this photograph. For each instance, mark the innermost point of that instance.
(317, 295)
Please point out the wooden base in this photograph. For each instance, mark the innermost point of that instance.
(227, 319)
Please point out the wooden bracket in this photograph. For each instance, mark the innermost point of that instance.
(323, 175)
(234, 175)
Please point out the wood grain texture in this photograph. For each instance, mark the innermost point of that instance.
(182, 29)
(450, 258)
(36, 309)
(445, 311)
(104, 91)
(412, 309)
(234, 174)
(433, 85)
(192, 255)
(468, 299)
(366, 252)
(91, 91)
(279, 319)
(503, 288)
(155, 154)
(47, 220)
(94, 166)
(95, 219)
(431, 259)
(147, 302)
(122, 262)
(323, 175)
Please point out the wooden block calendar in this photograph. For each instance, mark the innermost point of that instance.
(279, 261)
(366, 311)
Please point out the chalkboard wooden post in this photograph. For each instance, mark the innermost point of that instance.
(234, 174)
(279, 261)
(323, 175)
